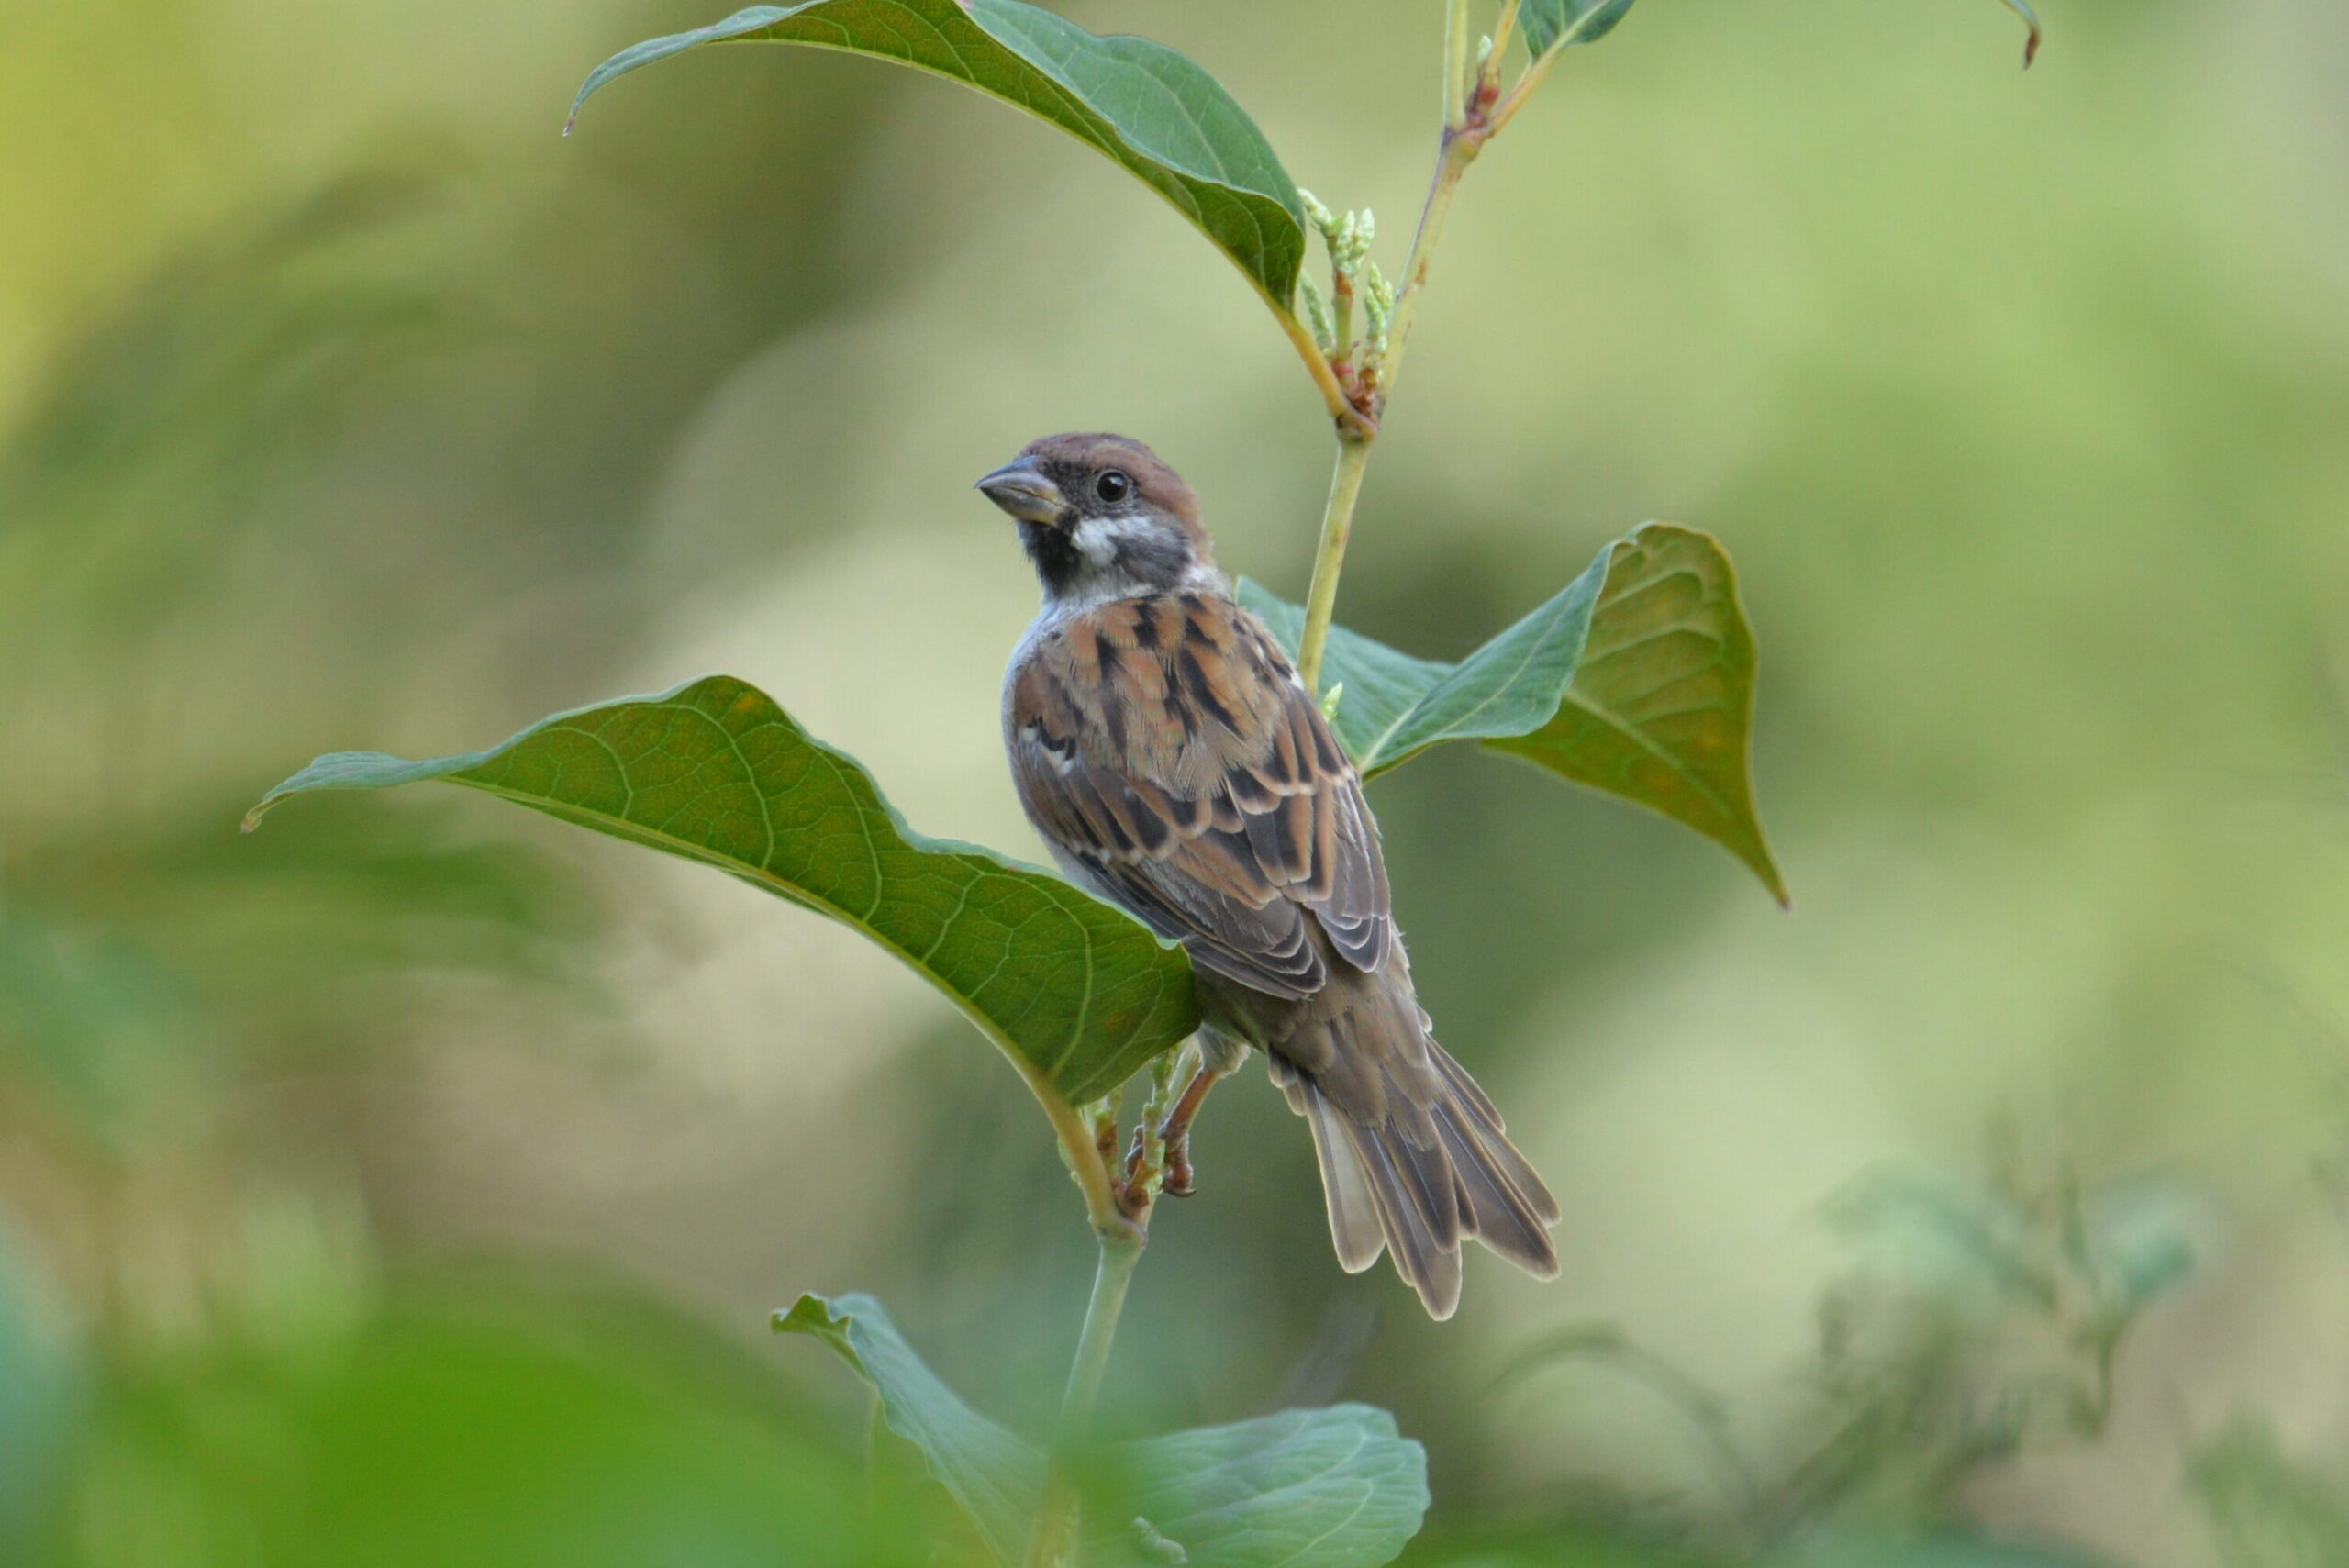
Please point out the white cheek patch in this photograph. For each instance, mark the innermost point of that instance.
(1096, 540)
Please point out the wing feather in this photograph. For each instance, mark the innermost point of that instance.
(1165, 751)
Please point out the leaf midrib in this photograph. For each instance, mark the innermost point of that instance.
(1379, 746)
(1625, 728)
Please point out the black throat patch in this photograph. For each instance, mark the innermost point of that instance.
(1057, 563)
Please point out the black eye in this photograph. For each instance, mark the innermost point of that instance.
(1113, 487)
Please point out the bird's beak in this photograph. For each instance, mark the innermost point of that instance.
(1020, 488)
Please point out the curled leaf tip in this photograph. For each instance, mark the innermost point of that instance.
(2030, 21)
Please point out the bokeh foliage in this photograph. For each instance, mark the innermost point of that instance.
(349, 407)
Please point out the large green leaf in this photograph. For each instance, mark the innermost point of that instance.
(1334, 1488)
(992, 1474)
(1661, 711)
(1637, 679)
(1139, 104)
(1076, 992)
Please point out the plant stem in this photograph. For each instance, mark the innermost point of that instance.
(1458, 149)
(1111, 1274)
(1503, 31)
(1505, 110)
(1080, 1149)
(1455, 62)
(1318, 366)
(1337, 525)
(1120, 1231)
(1052, 1540)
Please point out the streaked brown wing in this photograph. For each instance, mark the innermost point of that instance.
(1164, 747)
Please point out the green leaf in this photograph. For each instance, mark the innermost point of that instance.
(1140, 105)
(1077, 993)
(1547, 22)
(1661, 711)
(1334, 1488)
(1394, 706)
(1636, 679)
(994, 1477)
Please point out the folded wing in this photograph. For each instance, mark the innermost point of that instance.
(1166, 746)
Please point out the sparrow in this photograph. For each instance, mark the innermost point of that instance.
(1168, 754)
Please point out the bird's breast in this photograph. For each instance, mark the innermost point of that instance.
(1175, 688)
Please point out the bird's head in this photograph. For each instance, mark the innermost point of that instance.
(1102, 518)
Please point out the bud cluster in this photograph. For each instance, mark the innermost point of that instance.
(1354, 279)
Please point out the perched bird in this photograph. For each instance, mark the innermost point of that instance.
(1165, 749)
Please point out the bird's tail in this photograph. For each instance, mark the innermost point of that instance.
(1418, 1181)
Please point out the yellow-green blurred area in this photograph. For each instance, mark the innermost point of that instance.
(410, 1183)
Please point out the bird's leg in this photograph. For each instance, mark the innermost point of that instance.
(1138, 1153)
(1175, 1130)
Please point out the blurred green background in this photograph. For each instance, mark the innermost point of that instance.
(410, 1183)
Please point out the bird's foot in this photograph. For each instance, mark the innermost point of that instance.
(1179, 1183)
(1175, 1132)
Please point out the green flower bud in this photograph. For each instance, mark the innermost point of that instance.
(1317, 316)
(1378, 306)
(1318, 215)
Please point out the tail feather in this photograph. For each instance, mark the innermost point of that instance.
(1385, 1192)
(1355, 1225)
(1492, 1138)
(1498, 1212)
(1467, 1091)
(1424, 1174)
(1429, 1263)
